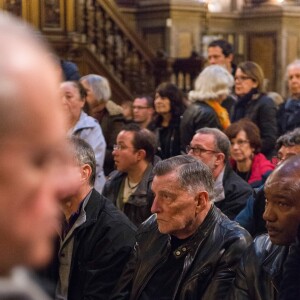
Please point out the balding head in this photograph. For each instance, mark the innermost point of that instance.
(25, 65)
(32, 146)
(282, 212)
(289, 170)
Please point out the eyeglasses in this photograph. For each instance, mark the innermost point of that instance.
(239, 142)
(120, 147)
(241, 78)
(198, 150)
(140, 107)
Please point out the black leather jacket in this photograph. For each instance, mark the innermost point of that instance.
(209, 265)
(261, 110)
(259, 274)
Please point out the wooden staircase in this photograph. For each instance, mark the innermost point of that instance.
(95, 35)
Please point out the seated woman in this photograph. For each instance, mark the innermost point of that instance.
(169, 107)
(246, 158)
(255, 105)
(80, 124)
(212, 87)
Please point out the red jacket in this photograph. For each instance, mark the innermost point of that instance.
(260, 169)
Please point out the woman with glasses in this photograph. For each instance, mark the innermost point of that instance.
(254, 104)
(212, 87)
(246, 159)
(168, 104)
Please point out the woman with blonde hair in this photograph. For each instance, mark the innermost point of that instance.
(212, 87)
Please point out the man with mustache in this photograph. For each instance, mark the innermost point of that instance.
(259, 273)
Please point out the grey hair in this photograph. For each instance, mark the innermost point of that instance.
(295, 63)
(289, 139)
(214, 81)
(192, 174)
(99, 85)
(221, 141)
(84, 154)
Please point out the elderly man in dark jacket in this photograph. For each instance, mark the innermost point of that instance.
(260, 270)
(289, 111)
(96, 238)
(188, 249)
(212, 146)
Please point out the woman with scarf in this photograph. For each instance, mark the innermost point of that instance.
(255, 105)
(212, 86)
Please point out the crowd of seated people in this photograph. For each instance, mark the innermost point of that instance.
(162, 204)
(180, 201)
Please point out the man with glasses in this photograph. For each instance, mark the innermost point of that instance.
(212, 146)
(129, 187)
(251, 216)
(143, 111)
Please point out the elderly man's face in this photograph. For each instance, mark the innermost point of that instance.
(282, 211)
(33, 164)
(294, 80)
(176, 208)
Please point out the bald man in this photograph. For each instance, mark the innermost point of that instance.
(259, 273)
(34, 172)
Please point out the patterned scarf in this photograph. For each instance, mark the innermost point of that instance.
(221, 112)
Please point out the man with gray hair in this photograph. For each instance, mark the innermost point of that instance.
(96, 238)
(187, 249)
(107, 112)
(289, 111)
(212, 146)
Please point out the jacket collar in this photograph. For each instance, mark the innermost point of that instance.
(203, 230)
(92, 209)
(273, 263)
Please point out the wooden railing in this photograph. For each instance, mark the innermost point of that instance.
(106, 34)
(104, 31)
(94, 34)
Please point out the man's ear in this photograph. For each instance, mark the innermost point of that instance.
(86, 172)
(141, 154)
(201, 200)
(220, 159)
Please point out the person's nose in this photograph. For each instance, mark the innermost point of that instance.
(64, 99)
(155, 208)
(269, 215)
(212, 61)
(234, 146)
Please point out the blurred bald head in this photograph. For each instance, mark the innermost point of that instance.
(32, 146)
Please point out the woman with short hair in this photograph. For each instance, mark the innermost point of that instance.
(246, 158)
(212, 87)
